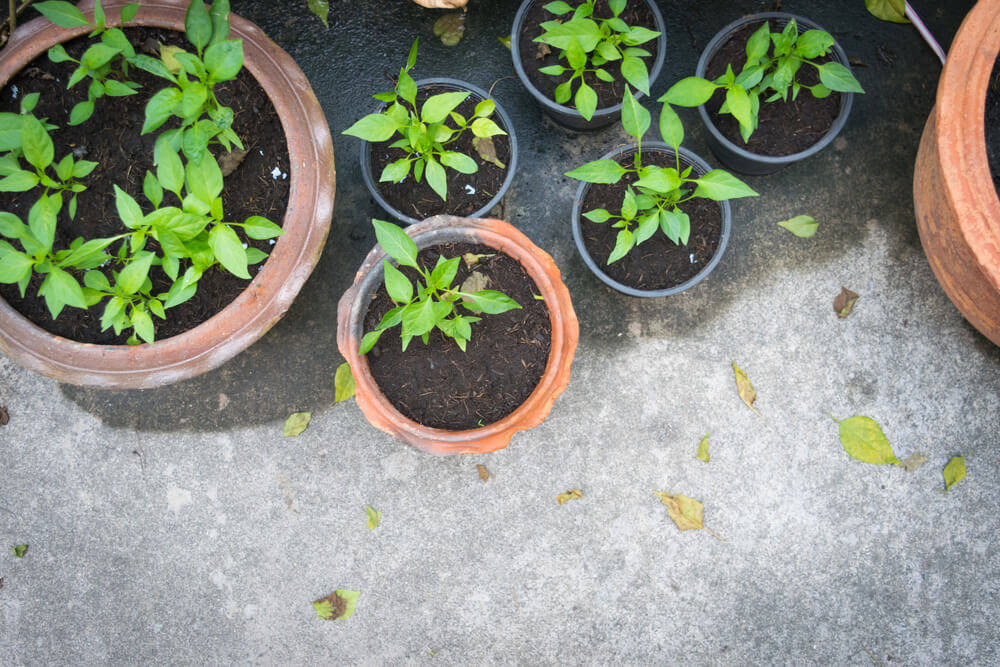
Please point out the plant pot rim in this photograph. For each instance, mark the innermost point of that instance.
(267, 296)
(960, 133)
(565, 334)
(726, 210)
(604, 115)
(774, 162)
(366, 167)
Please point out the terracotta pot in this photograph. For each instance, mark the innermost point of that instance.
(565, 333)
(957, 209)
(272, 290)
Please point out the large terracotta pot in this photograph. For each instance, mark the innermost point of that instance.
(565, 333)
(272, 290)
(958, 212)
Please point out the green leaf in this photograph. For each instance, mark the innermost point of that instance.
(720, 185)
(132, 277)
(623, 243)
(813, 43)
(484, 127)
(204, 179)
(229, 250)
(835, 76)
(558, 8)
(639, 35)
(660, 179)
(373, 127)
(437, 107)
(374, 517)
(459, 162)
(128, 209)
(597, 215)
(491, 301)
(368, 341)
(63, 287)
(758, 44)
(396, 284)
(671, 128)
(21, 549)
(585, 101)
(396, 243)
(703, 449)
(676, 225)
(98, 55)
(598, 171)
(42, 218)
(152, 189)
(19, 181)
(192, 99)
(219, 14)
(444, 272)
(160, 108)
(343, 383)
(11, 226)
(36, 143)
(142, 323)
(888, 10)
(29, 102)
(170, 171)
(954, 472)
(224, 60)
(436, 178)
(81, 113)
(57, 54)
(14, 266)
(260, 228)
(648, 224)
(198, 24)
(321, 8)
(863, 439)
(88, 254)
(411, 58)
(738, 102)
(802, 226)
(63, 14)
(296, 424)
(129, 11)
(691, 91)
(635, 72)
(635, 117)
(418, 317)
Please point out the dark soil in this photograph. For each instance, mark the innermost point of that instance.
(785, 128)
(111, 137)
(993, 125)
(657, 263)
(609, 93)
(440, 386)
(418, 200)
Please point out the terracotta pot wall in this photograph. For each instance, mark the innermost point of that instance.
(957, 208)
(268, 295)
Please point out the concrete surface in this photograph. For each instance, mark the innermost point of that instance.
(178, 526)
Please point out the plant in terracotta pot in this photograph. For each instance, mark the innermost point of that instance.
(139, 221)
(576, 57)
(459, 333)
(772, 89)
(652, 219)
(436, 147)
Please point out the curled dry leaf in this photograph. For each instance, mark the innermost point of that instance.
(343, 383)
(296, 424)
(229, 162)
(543, 50)
(487, 150)
(745, 387)
(4, 417)
(374, 517)
(471, 258)
(572, 494)
(703, 449)
(339, 604)
(914, 461)
(954, 472)
(843, 304)
(450, 28)
(484, 474)
(863, 439)
(474, 283)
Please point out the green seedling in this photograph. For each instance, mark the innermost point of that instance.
(588, 46)
(774, 60)
(425, 134)
(653, 201)
(433, 302)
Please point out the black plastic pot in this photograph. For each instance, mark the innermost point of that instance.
(569, 116)
(737, 158)
(505, 123)
(700, 168)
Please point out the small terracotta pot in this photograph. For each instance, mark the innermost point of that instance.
(957, 209)
(565, 333)
(272, 290)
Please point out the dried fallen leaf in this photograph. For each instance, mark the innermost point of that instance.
(703, 449)
(914, 461)
(474, 283)
(484, 474)
(954, 472)
(20, 549)
(471, 258)
(505, 41)
(296, 423)
(450, 28)
(374, 517)
(343, 383)
(231, 160)
(686, 512)
(339, 604)
(745, 387)
(4, 417)
(487, 150)
(844, 303)
(863, 439)
(543, 50)
(802, 226)
(1, 583)
(167, 54)
(572, 494)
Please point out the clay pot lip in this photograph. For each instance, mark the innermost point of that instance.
(372, 185)
(271, 291)
(727, 217)
(565, 334)
(569, 116)
(960, 134)
(772, 163)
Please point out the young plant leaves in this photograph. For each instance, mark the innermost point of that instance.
(343, 383)
(745, 388)
(635, 118)
(703, 449)
(863, 439)
(954, 472)
(844, 302)
(802, 226)
(396, 243)
(572, 494)
(374, 517)
(296, 424)
(339, 604)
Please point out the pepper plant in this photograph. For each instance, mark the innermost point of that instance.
(588, 45)
(652, 202)
(432, 303)
(425, 134)
(774, 59)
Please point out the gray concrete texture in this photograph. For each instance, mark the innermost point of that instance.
(178, 526)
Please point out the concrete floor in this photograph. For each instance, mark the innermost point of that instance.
(178, 525)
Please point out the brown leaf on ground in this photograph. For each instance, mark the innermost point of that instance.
(572, 494)
(543, 50)
(231, 160)
(4, 417)
(474, 283)
(484, 474)
(487, 151)
(844, 303)
(338, 604)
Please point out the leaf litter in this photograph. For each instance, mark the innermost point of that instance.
(745, 388)
(296, 423)
(954, 472)
(844, 302)
(339, 604)
(686, 512)
(343, 383)
(572, 494)
(374, 517)
(703, 449)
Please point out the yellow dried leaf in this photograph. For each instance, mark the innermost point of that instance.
(686, 512)
(572, 494)
(484, 474)
(745, 387)
(954, 472)
(343, 383)
(374, 517)
(167, 54)
(703, 449)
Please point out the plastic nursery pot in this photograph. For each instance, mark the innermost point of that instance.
(687, 158)
(956, 202)
(371, 182)
(568, 116)
(736, 157)
(267, 296)
(565, 333)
